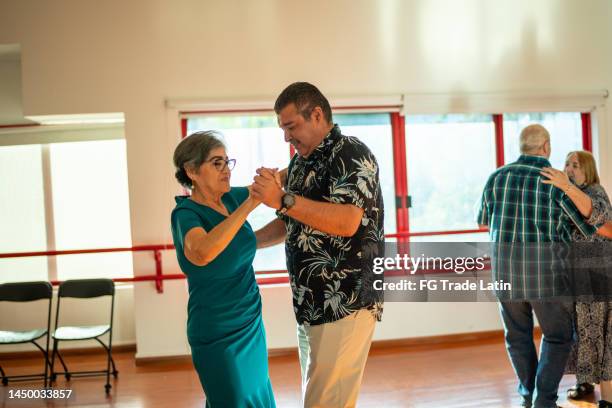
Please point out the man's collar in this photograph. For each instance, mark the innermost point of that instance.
(328, 141)
(534, 160)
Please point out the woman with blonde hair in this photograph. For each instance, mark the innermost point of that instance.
(591, 357)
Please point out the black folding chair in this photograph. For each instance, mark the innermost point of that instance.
(27, 292)
(83, 289)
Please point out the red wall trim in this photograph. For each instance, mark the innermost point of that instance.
(138, 248)
(498, 121)
(19, 125)
(398, 131)
(404, 171)
(159, 276)
(433, 233)
(183, 127)
(587, 132)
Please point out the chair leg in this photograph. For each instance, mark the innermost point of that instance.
(53, 376)
(115, 372)
(107, 387)
(109, 360)
(66, 372)
(46, 356)
(46, 381)
(110, 356)
(109, 352)
(47, 367)
(4, 379)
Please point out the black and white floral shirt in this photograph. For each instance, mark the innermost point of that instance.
(331, 276)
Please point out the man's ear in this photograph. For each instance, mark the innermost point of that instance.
(547, 148)
(317, 114)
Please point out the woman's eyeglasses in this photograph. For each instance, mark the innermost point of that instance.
(220, 164)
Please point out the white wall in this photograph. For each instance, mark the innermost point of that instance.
(117, 56)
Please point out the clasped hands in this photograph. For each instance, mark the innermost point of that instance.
(267, 187)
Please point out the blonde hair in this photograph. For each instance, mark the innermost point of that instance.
(533, 137)
(587, 163)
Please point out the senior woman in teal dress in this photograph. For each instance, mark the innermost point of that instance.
(215, 247)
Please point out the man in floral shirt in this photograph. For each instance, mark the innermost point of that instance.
(331, 216)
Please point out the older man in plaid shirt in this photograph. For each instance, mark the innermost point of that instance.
(518, 208)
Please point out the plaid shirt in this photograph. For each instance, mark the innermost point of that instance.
(520, 209)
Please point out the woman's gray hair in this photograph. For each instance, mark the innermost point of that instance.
(192, 151)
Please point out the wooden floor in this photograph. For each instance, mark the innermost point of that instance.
(474, 374)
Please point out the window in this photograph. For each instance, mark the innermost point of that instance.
(374, 129)
(254, 141)
(565, 130)
(90, 207)
(22, 213)
(449, 159)
(65, 196)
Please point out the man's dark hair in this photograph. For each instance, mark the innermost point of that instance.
(306, 97)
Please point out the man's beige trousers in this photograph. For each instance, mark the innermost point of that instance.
(332, 358)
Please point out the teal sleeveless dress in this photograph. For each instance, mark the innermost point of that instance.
(224, 324)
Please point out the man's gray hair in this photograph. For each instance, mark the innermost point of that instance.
(533, 137)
